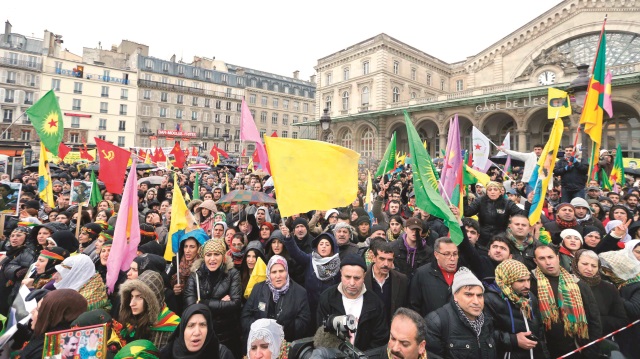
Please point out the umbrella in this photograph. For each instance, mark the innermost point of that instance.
(232, 169)
(503, 160)
(632, 171)
(34, 166)
(151, 179)
(93, 167)
(199, 166)
(245, 197)
(144, 166)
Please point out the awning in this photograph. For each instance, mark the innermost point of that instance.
(11, 153)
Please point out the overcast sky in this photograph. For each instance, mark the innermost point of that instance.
(275, 36)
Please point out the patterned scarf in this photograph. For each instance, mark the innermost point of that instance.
(591, 281)
(167, 321)
(275, 292)
(507, 273)
(632, 280)
(476, 324)
(569, 303)
(566, 224)
(95, 292)
(325, 268)
(519, 246)
(391, 237)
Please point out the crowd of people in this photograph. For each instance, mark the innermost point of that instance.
(250, 282)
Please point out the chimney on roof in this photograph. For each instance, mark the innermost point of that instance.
(7, 28)
(114, 48)
(173, 58)
(312, 79)
(296, 74)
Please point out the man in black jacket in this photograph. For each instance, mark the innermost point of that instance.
(565, 218)
(521, 241)
(517, 320)
(410, 250)
(573, 173)
(351, 297)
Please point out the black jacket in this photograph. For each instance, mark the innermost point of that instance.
(373, 330)
(13, 268)
(508, 321)
(213, 287)
(450, 336)
(574, 177)
(554, 230)
(611, 306)
(428, 290)
(526, 255)
(479, 263)
(493, 216)
(399, 289)
(292, 310)
(630, 294)
(406, 264)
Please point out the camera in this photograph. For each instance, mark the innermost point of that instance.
(341, 324)
(330, 341)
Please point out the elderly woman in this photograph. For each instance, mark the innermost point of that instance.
(79, 273)
(217, 284)
(266, 340)
(196, 337)
(218, 230)
(493, 211)
(571, 242)
(54, 312)
(14, 266)
(45, 267)
(281, 299)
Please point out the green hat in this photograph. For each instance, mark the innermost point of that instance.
(142, 348)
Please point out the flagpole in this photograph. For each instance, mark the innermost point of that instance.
(11, 124)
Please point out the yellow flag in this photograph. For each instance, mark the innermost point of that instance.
(182, 221)
(424, 144)
(558, 104)
(258, 275)
(227, 180)
(147, 158)
(482, 177)
(45, 187)
(330, 172)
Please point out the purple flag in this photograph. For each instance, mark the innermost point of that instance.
(249, 132)
(126, 236)
(453, 158)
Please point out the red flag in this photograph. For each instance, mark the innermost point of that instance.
(160, 156)
(218, 151)
(194, 151)
(113, 165)
(244, 152)
(274, 134)
(84, 153)
(256, 158)
(63, 150)
(180, 158)
(215, 156)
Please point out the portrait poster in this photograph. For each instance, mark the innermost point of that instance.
(77, 343)
(80, 193)
(10, 197)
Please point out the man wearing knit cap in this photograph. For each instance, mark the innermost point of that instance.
(515, 312)
(565, 218)
(351, 297)
(301, 234)
(460, 326)
(342, 232)
(584, 215)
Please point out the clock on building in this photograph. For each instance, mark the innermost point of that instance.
(547, 78)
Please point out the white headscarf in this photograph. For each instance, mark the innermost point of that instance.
(613, 224)
(269, 331)
(75, 272)
(629, 246)
(267, 217)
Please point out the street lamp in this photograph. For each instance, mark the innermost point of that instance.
(325, 120)
(578, 87)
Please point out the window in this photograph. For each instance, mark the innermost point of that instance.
(122, 125)
(9, 96)
(227, 119)
(275, 103)
(274, 118)
(162, 126)
(194, 101)
(28, 98)
(396, 67)
(104, 107)
(163, 112)
(216, 132)
(7, 116)
(239, 107)
(179, 114)
(180, 82)
(106, 74)
(165, 67)
(285, 104)
(228, 106)
(263, 117)
(25, 135)
(295, 119)
(120, 141)
(6, 135)
(207, 102)
(413, 74)
(294, 135)
(194, 115)
(364, 98)
(218, 104)
(228, 92)
(123, 110)
(428, 79)
(207, 117)
(74, 137)
(237, 134)
(223, 78)
(76, 104)
(216, 118)
(285, 120)
(253, 114)
(263, 101)
(262, 132)
(147, 94)
(345, 101)
(396, 95)
(304, 119)
(329, 78)
(196, 72)
(413, 95)
(347, 140)
(240, 81)
(236, 147)
(205, 131)
(30, 80)
(102, 124)
(365, 67)
(345, 74)
(77, 86)
(284, 134)
(327, 103)
(124, 94)
(146, 110)
(148, 77)
(179, 99)
(442, 85)
(367, 145)
(164, 97)
(13, 59)
(165, 80)
(181, 70)
(55, 84)
(305, 107)
(105, 91)
(296, 105)
(75, 122)
(194, 129)
(32, 62)
(459, 85)
(148, 63)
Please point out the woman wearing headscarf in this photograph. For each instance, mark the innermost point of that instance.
(586, 266)
(79, 273)
(143, 312)
(154, 263)
(14, 266)
(275, 246)
(618, 230)
(598, 242)
(493, 211)
(195, 338)
(188, 252)
(205, 215)
(39, 234)
(266, 229)
(247, 225)
(54, 312)
(237, 250)
(219, 228)
(216, 284)
(45, 267)
(281, 299)
(253, 253)
(623, 269)
(322, 266)
(266, 340)
(619, 212)
(220, 217)
(571, 242)
(262, 216)
(87, 238)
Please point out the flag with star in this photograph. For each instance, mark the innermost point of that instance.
(481, 150)
(46, 118)
(617, 172)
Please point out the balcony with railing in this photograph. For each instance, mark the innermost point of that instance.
(185, 89)
(20, 64)
(146, 131)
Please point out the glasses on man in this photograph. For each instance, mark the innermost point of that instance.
(450, 255)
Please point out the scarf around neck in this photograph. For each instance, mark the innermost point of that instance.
(591, 281)
(566, 224)
(476, 324)
(519, 246)
(586, 218)
(507, 273)
(325, 268)
(569, 304)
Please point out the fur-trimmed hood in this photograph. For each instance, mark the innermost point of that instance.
(150, 298)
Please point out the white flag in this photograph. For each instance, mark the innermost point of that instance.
(481, 150)
(506, 144)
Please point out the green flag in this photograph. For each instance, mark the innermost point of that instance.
(424, 181)
(604, 180)
(196, 187)
(388, 162)
(46, 118)
(95, 191)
